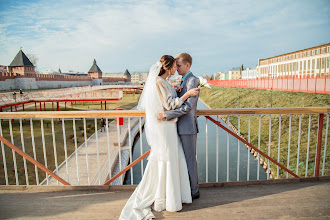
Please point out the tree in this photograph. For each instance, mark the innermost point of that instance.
(33, 58)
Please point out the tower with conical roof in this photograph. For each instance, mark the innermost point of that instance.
(23, 71)
(127, 76)
(95, 72)
(22, 66)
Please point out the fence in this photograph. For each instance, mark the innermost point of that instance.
(293, 144)
(312, 85)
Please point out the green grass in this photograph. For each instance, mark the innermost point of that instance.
(128, 102)
(227, 97)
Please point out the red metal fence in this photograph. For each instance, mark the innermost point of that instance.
(312, 85)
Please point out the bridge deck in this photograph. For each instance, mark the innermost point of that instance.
(270, 201)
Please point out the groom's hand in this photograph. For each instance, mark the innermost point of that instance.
(160, 116)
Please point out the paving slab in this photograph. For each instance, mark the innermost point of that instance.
(296, 200)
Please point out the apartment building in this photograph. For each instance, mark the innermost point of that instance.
(235, 73)
(309, 62)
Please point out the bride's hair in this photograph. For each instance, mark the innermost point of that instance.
(167, 63)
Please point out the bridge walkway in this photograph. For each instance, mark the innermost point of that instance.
(264, 200)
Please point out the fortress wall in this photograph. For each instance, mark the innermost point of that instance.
(61, 84)
(7, 84)
(57, 77)
(10, 81)
(25, 83)
(115, 81)
(6, 75)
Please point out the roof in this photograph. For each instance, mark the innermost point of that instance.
(127, 73)
(94, 68)
(236, 68)
(21, 60)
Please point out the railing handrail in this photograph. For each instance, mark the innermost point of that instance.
(108, 182)
(250, 145)
(137, 113)
(39, 165)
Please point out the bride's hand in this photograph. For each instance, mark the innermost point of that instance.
(160, 116)
(193, 92)
(179, 88)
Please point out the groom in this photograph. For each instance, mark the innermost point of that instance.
(187, 121)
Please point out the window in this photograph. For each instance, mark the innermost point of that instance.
(309, 53)
(301, 54)
(329, 49)
(313, 64)
(304, 54)
(323, 50)
(296, 66)
(318, 51)
(289, 67)
(323, 61)
(318, 64)
(313, 52)
(308, 65)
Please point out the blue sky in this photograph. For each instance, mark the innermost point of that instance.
(134, 34)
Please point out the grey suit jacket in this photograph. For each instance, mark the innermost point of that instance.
(187, 123)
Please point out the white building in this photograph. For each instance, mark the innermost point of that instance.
(249, 73)
(311, 62)
(3, 68)
(139, 78)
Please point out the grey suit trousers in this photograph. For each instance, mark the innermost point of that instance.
(189, 149)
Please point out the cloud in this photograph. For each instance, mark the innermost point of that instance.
(134, 34)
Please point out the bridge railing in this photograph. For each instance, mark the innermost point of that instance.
(69, 146)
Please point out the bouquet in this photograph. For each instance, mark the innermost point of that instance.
(203, 82)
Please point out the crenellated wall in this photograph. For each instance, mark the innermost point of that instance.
(56, 77)
(9, 81)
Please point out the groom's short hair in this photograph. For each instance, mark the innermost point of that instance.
(186, 58)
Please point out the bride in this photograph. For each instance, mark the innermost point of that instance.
(165, 183)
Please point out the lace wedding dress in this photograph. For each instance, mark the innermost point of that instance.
(165, 183)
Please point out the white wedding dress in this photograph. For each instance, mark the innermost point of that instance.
(165, 184)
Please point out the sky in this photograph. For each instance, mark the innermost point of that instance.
(134, 34)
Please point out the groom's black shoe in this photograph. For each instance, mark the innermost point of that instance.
(195, 196)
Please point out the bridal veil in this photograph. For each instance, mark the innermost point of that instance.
(151, 104)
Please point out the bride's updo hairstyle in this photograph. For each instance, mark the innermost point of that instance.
(167, 63)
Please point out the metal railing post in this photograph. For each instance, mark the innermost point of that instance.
(319, 143)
